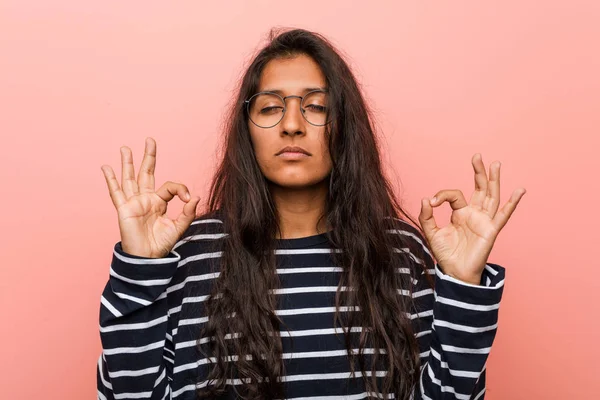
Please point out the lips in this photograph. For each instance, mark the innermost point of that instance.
(293, 149)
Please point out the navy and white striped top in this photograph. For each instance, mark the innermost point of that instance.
(151, 315)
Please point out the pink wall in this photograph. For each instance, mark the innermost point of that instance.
(515, 80)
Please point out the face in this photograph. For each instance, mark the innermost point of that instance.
(296, 77)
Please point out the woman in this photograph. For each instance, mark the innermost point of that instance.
(304, 279)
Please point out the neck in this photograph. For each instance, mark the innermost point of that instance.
(300, 209)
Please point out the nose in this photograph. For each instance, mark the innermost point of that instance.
(293, 121)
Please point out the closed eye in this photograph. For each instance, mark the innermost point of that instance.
(271, 110)
(316, 108)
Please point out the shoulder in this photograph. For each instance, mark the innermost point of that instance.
(208, 223)
(204, 234)
(411, 241)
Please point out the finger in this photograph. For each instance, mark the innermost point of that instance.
(492, 201)
(188, 214)
(146, 174)
(481, 182)
(128, 183)
(116, 194)
(427, 219)
(170, 189)
(454, 197)
(505, 212)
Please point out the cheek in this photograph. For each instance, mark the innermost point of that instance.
(323, 157)
(325, 151)
(264, 145)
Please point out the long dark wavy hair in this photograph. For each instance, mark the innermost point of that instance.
(360, 209)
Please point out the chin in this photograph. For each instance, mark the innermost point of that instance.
(295, 182)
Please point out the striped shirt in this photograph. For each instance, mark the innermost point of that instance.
(151, 316)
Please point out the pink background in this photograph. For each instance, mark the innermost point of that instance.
(517, 81)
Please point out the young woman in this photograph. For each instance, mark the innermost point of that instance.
(304, 279)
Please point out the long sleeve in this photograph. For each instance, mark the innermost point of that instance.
(137, 352)
(460, 328)
(454, 322)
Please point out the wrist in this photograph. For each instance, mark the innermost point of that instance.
(132, 252)
(470, 279)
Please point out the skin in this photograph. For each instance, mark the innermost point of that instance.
(461, 248)
(298, 187)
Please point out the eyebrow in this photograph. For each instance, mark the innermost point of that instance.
(304, 91)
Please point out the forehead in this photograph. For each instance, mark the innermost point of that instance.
(292, 75)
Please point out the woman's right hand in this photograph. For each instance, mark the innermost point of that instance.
(145, 229)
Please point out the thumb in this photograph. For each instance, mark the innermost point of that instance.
(427, 219)
(188, 214)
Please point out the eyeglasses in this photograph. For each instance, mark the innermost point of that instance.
(266, 109)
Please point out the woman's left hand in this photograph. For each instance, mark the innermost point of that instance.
(462, 247)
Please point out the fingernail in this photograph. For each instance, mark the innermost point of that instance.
(433, 200)
(187, 196)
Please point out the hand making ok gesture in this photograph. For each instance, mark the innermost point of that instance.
(462, 247)
(146, 231)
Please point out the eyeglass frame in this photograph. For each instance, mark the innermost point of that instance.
(247, 102)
